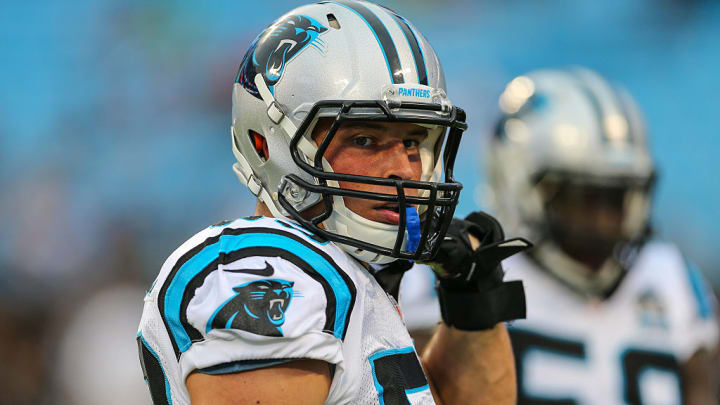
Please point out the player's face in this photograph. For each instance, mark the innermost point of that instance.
(586, 220)
(375, 149)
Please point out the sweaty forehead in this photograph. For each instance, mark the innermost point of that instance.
(391, 127)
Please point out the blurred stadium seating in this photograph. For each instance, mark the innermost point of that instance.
(114, 144)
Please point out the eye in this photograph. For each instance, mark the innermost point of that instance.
(362, 141)
(411, 143)
(263, 287)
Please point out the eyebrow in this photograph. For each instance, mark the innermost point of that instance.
(419, 132)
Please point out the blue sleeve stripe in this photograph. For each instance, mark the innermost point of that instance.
(700, 291)
(390, 352)
(237, 243)
(162, 294)
(418, 389)
(173, 297)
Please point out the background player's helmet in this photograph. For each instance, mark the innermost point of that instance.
(345, 61)
(569, 141)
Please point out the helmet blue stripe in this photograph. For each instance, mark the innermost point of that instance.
(595, 103)
(381, 35)
(414, 47)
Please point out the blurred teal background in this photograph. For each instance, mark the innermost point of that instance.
(115, 146)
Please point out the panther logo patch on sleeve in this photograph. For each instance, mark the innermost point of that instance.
(257, 307)
(275, 47)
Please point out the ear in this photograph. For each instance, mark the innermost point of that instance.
(292, 283)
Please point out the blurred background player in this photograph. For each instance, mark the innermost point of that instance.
(614, 315)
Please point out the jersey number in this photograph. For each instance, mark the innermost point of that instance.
(634, 364)
(397, 373)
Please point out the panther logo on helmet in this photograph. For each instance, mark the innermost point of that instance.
(275, 47)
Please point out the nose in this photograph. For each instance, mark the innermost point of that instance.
(607, 219)
(399, 163)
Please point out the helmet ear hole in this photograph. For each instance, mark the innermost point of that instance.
(260, 145)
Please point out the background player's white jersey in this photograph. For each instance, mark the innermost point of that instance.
(623, 350)
(255, 292)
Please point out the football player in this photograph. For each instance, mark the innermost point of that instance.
(343, 130)
(615, 316)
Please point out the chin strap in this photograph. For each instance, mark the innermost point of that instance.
(243, 170)
(276, 114)
(274, 110)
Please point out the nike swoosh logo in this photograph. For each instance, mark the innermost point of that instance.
(267, 271)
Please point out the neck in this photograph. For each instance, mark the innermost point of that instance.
(262, 210)
(593, 262)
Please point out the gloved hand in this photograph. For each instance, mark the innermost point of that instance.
(471, 290)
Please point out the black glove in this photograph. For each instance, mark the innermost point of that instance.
(470, 287)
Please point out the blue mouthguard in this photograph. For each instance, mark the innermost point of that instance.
(412, 225)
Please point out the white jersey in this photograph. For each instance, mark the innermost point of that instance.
(623, 350)
(261, 291)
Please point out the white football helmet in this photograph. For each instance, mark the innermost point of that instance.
(569, 132)
(347, 61)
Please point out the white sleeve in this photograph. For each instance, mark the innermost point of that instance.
(261, 307)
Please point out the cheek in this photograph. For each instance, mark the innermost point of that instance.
(342, 162)
(416, 165)
(348, 161)
(362, 163)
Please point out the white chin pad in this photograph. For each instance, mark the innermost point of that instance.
(345, 222)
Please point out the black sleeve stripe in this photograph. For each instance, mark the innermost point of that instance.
(154, 374)
(166, 284)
